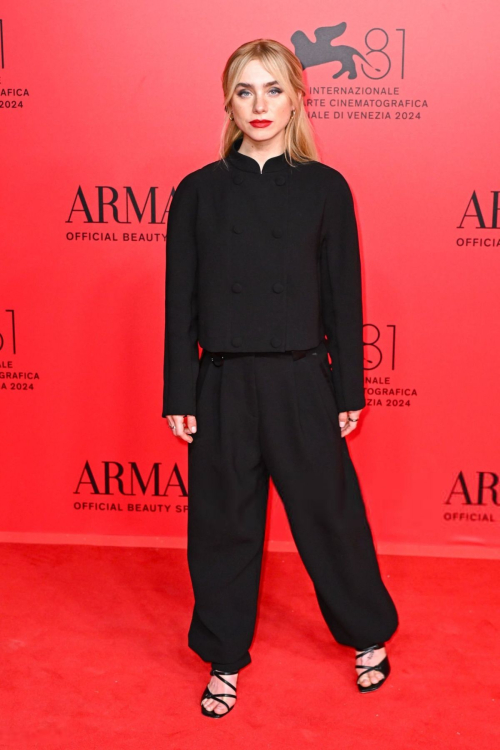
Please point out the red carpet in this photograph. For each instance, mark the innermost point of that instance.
(94, 657)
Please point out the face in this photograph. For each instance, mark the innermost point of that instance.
(258, 99)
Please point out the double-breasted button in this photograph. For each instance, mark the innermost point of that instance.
(277, 233)
(280, 180)
(275, 341)
(278, 287)
(237, 229)
(237, 287)
(236, 341)
(238, 179)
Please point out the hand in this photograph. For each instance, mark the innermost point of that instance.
(346, 426)
(176, 423)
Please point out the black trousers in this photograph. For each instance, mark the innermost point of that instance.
(262, 415)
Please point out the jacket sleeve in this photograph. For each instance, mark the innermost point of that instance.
(181, 359)
(341, 293)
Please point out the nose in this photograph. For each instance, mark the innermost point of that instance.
(260, 103)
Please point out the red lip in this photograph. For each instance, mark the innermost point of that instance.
(260, 123)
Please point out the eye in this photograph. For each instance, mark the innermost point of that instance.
(241, 93)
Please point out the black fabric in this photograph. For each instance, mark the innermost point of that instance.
(262, 261)
(261, 416)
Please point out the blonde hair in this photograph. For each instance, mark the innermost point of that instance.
(286, 68)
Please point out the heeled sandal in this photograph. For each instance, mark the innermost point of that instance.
(382, 666)
(218, 696)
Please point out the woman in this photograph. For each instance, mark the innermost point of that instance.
(262, 265)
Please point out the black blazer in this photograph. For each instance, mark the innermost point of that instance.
(262, 261)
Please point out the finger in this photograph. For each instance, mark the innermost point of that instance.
(346, 429)
(191, 423)
(353, 419)
(179, 430)
(171, 421)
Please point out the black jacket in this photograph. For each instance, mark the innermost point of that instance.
(262, 261)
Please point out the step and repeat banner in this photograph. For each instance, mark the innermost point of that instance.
(104, 107)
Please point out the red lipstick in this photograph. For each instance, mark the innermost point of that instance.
(260, 123)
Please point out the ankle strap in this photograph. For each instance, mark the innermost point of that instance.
(220, 671)
(370, 648)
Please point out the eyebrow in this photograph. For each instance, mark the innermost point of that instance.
(250, 86)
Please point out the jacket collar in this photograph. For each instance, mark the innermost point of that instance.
(247, 164)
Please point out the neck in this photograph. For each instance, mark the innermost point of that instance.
(261, 151)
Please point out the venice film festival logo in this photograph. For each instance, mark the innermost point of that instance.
(110, 205)
(382, 386)
(11, 96)
(384, 49)
(2, 56)
(16, 373)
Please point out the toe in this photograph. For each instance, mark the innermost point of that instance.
(220, 709)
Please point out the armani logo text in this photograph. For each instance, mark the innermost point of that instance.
(111, 205)
(480, 491)
(114, 478)
(480, 214)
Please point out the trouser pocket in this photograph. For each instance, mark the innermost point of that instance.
(203, 369)
(319, 364)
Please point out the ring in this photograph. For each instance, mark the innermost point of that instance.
(352, 420)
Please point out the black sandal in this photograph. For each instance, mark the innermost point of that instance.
(382, 666)
(218, 696)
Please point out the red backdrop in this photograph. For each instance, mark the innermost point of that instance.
(104, 107)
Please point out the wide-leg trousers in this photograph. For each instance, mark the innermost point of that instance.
(274, 414)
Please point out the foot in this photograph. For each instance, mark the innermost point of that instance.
(217, 686)
(368, 660)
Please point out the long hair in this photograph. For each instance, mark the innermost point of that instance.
(286, 68)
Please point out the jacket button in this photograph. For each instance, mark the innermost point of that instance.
(237, 229)
(275, 341)
(236, 341)
(238, 179)
(280, 180)
(277, 233)
(278, 287)
(237, 287)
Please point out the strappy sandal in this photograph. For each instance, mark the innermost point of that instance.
(218, 696)
(382, 666)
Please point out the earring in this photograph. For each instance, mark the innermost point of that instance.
(231, 116)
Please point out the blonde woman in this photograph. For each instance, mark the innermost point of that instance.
(263, 272)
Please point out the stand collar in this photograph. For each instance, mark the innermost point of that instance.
(247, 164)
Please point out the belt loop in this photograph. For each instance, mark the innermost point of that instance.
(217, 359)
